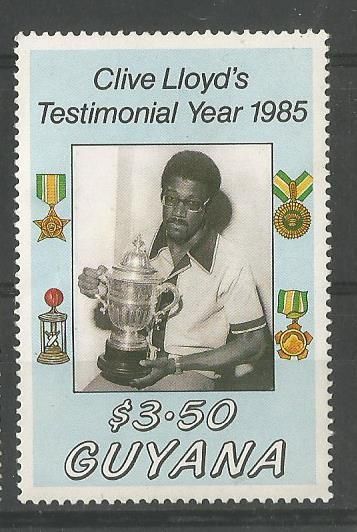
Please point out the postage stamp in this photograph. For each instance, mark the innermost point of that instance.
(172, 267)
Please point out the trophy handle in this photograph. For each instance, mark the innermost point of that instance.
(102, 292)
(162, 289)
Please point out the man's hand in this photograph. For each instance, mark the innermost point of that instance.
(161, 367)
(88, 281)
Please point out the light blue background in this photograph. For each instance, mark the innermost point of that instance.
(62, 418)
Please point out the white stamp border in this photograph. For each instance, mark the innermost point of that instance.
(249, 493)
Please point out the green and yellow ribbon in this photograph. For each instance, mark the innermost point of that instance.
(287, 189)
(292, 303)
(51, 188)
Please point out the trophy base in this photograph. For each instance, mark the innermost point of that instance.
(121, 367)
(52, 358)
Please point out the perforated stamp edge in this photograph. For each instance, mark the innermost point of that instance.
(321, 491)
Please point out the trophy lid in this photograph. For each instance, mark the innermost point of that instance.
(136, 263)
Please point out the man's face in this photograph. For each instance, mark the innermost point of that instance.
(181, 223)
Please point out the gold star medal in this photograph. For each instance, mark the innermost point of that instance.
(51, 188)
(293, 342)
(292, 219)
(51, 226)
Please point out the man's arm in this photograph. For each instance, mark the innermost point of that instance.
(246, 348)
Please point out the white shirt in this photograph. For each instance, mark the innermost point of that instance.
(218, 295)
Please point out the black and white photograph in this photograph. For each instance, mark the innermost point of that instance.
(172, 267)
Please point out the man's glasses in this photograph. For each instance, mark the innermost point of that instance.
(192, 205)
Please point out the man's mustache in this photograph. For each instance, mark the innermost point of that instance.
(177, 221)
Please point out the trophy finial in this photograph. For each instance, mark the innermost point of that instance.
(139, 244)
(137, 259)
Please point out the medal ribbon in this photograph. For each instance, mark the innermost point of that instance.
(51, 188)
(292, 303)
(287, 189)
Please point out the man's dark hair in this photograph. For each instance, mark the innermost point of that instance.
(195, 166)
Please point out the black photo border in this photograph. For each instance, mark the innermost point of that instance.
(74, 287)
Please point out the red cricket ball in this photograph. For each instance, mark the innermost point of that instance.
(53, 297)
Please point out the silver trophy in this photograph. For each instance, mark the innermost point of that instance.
(131, 295)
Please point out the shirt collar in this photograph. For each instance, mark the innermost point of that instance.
(203, 251)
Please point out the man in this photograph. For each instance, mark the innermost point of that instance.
(219, 328)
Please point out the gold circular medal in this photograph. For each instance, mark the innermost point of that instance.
(292, 219)
(293, 342)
